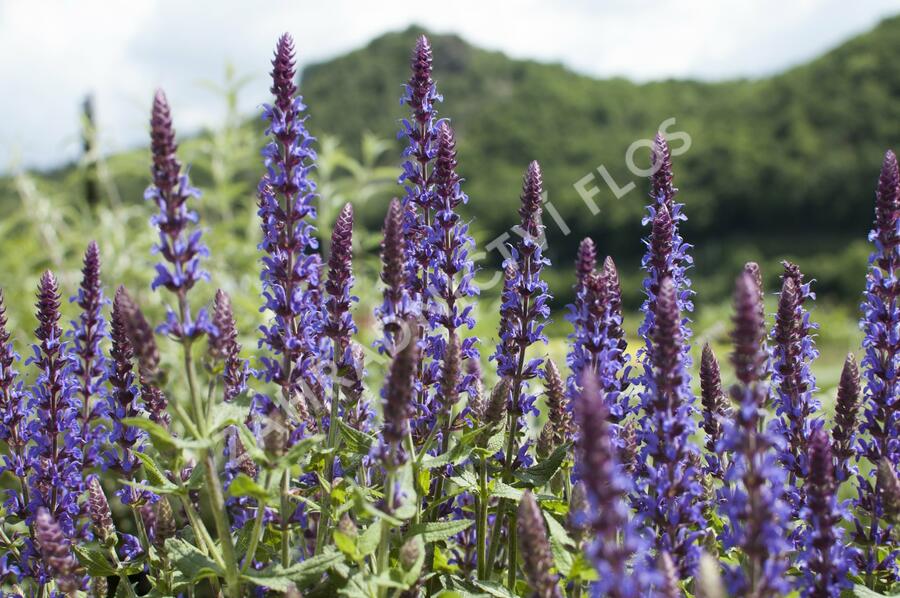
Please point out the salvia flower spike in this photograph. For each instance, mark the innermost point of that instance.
(56, 552)
(794, 351)
(535, 548)
(673, 495)
(846, 415)
(619, 550)
(56, 478)
(826, 559)
(880, 320)
(290, 274)
(398, 304)
(88, 361)
(180, 244)
(757, 517)
(716, 409)
(122, 402)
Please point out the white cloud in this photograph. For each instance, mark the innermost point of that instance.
(56, 52)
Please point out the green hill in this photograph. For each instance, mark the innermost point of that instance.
(781, 166)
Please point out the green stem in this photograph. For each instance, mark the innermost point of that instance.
(481, 529)
(257, 527)
(283, 510)
(123, 579)
(384, 546)
(331, 443)
(208, 546)
(223, 529)
(512, 551)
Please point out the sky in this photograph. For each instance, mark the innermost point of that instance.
(55, 52)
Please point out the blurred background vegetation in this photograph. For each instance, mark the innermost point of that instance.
(778, 168)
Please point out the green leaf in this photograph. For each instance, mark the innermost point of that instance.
(227, 414)
(461, 451)
(557, 531)
(358, 442)
(346, 544)
(540, 474)
(94, 561)
(244, 485)
(161, 438)
(369, 539)
(154, 474)
(313, 568)
(494, 589)
(502, 490)
(863, 592)
(466, 480)
(189, 560)
(296, 453)
(438, 531)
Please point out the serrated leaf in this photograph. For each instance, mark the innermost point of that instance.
(437, 531)
(358, 442)
(161, 438)
(313, 568)
(460, 452)
(227, 414)
(244, 485)
(94, 561)
(503, 490)
(346, 544)
(863, 592)
(154, 474)
(189, 560)
(369, 539)
(557, 531)
(541, 473)
(494, 589)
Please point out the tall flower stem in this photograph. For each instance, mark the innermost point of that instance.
(384, 545)
(482, 522)
(257, 528)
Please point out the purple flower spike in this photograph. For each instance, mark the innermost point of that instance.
(12, 422)
(535, 549)
(598, 341)
(56, 552)
(179, 244)
(225, 346)
(450, 273)
(54, 454)
(794, 351)
(880, 321)
(661, 185)
(826, 561)
(619, 550)
(420, 132)
(142, 338)
(524, 304)
(397, 404)
(715, 410)
(586, 261)
(673, 496)
(122, 400)
(398, 304)
(846, 415)
(757, 518)
(339, 324)
(88, 362)
(290, 274)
